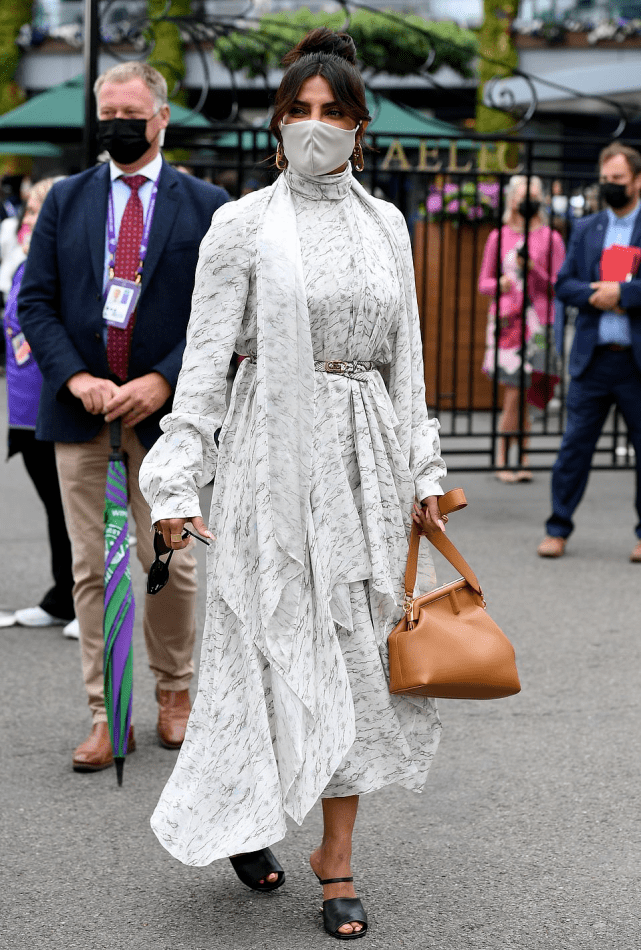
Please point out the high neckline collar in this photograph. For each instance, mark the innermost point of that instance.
(317, 187)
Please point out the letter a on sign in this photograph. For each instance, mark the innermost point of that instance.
(396, 154)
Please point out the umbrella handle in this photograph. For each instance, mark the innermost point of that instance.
(115, 434)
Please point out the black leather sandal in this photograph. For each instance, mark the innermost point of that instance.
(253, 867)
(338, 911)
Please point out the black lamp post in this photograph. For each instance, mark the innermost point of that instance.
(90, 145)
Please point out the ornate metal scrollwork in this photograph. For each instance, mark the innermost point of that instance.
(201, 30)
(498, 94)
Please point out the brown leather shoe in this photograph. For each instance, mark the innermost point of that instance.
(173, 712)
(635, 557)
(551, 547)
(95, 753)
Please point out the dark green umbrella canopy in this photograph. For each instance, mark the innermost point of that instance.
(389, 122)
(33, 149)
(63, 107)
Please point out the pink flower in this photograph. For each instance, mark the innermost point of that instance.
(490, 189)
(434, 204)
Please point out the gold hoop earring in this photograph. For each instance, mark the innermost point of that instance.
(358, 157)
(281, 161)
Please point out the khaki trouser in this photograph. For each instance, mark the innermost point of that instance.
(169, 616)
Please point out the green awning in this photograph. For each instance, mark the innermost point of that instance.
(34, 149)
(264, 141)
(63, 106)
(390, 122)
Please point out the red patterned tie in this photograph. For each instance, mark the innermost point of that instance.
(126, 265)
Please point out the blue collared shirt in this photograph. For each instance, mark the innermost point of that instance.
(615, 327)
(121, 193)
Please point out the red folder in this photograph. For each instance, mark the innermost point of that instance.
(620, 263)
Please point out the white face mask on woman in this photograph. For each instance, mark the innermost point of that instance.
(316, 148)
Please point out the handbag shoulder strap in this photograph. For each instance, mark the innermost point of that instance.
(453, 500)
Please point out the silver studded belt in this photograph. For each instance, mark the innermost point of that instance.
(355, 369)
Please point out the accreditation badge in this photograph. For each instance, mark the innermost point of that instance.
(120, 301)
(21, 349)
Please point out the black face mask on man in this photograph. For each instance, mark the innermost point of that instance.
(124, 139)
(529, 208)
(614, 195)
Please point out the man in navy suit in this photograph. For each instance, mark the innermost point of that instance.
(605, 361)
(132, 222)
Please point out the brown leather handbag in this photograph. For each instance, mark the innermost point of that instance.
(446, 645)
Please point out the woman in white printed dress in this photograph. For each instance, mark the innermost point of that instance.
(318, 466)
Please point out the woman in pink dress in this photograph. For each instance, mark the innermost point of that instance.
(545, 256)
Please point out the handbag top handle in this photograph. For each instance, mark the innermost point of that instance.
(453, 500)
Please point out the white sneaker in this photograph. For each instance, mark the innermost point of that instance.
(37, 617)
(72, 630)
(7, 619)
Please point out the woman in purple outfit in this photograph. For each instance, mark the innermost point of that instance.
(24, 383)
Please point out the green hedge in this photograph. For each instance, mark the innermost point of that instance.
(386, 42)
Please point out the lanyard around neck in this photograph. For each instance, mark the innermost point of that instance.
(112, 240)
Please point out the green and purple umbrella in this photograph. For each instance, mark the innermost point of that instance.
(119, 605)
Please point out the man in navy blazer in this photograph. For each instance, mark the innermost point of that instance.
(605, 360)
(61, 312)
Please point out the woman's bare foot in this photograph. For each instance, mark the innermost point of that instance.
(270, 879)
(330, 861)
(524, 474)
(505, 476)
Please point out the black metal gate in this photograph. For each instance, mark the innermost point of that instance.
(452, 193)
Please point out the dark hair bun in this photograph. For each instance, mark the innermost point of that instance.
(325, 41)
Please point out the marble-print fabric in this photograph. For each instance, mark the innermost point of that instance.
(316, 474)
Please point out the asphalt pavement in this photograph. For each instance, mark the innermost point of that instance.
(527, 835)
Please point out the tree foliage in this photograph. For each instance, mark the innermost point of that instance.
(386, 42)
(13, 13)
(168, 55)
(498, 58)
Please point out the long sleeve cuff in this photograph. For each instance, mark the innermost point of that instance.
(426, 487)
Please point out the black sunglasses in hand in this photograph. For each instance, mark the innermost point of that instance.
(159, 570)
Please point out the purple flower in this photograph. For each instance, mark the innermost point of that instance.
(453, 206)
(434, 204)
(490, 190)
(450, 189)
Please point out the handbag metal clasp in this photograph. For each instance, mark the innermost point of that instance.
(408, 607)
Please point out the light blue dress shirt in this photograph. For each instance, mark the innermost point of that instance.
(120, 192)
(615, 327)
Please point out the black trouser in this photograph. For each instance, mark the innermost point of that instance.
(40, 462)
(611, 378)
